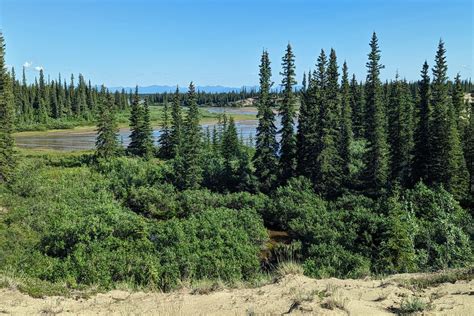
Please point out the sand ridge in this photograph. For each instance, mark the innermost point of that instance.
(292, 294)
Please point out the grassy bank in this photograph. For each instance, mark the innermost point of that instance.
(156, 113)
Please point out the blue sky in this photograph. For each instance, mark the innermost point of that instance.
(125, 42)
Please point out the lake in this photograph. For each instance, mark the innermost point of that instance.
(77, 139)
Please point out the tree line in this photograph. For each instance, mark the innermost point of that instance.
(45, 101)
(231, 98)
(346, 135)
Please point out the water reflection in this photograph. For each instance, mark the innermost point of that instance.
(82, 140)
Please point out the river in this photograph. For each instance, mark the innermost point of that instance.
(83, 139)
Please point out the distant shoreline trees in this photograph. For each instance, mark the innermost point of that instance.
(370, 137)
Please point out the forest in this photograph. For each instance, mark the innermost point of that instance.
(365, 178)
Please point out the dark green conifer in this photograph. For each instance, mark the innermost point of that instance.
(107, 129)
(328, 162)
(266, 149)
(176, 124)
(166, 145)
(377, 164)
(189, 172)
(400, 133)
(287, 112)
(136, 121)
(422, 151)
(448, 166)
(7, 118)
(346, 136)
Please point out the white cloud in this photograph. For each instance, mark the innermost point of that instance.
(39, 68)
(28, 64)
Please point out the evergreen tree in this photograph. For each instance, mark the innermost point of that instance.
(81, 98)
(107, 129)
(397, 249)
(329, 162)
(230, 142)
(377, 167)
(136, 121)
(346, 136)
(230, 149)
(189, 172)
(303, 124)
(7, 118)
(422, 151)
(447, 166)
(287, 112)
(469, 147)
(457, 96)
(457, 174)
(141, 138)
(166, 145)
(176, 124)
(265, 158)
(358, 108)
(146, 133)
(400, 133)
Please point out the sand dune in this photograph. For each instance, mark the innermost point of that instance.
(292, 294)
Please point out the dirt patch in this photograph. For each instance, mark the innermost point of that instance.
(293, 294)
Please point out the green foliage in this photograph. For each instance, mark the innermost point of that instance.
(442, 239)
(266, 148)
(7, 160)
(377, 166)
(397, 249)
(187, 163)
(400, 117)
(329, 164)
(422, 136)
(287, 112)
(141, 139)
(165, 141)
(81, 235)
(447, 165)
(346, 133)
(107, 130)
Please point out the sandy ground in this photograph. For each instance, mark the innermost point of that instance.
(293, 294)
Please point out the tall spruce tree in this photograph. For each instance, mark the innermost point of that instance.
(302, 129)
(146, 133)
(457, 96)
(469, 147)
(176, 124)
(136, 121)
(189, 171)
(400, 133)
(448, 166)
(346, 136)
(107, 129)
(457, 174)
(287, 113)
(377, 164)
(329, 162)
(422, 151)
(358, 108)
(166, 145)
(266, 149)
(7, 118)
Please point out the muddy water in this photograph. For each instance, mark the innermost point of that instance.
(70, 140)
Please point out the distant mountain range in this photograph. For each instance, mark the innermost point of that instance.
(161, 89)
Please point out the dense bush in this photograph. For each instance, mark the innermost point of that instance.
(70, 228)
(123, 221)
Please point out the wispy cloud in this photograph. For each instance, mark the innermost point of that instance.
(28, 64)
(39, 68)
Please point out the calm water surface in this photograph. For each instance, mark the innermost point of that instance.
(81, 140)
